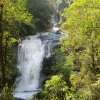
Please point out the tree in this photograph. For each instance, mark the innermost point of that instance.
(12, 14)
(82, 47)
(60, 67)
(41, 11)
(55, 89)
(6, 93)
(1, 36)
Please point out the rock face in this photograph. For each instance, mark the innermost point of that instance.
(51, 41)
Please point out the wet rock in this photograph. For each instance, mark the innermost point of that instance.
(51, 41)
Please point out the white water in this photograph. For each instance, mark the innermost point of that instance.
(30, 57)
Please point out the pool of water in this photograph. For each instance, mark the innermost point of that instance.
(27, 95)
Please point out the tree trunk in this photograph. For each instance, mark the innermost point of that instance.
(92, 58)
(1, 48)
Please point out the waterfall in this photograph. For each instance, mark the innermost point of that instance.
(30, 56)
(31, 53)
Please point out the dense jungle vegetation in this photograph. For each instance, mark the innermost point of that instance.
(76, 74)
(18, 18)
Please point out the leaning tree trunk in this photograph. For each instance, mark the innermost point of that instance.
(2, 68)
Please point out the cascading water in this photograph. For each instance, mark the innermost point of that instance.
(31, 53)
(30, 56)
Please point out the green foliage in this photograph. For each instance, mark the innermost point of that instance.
(83, 33)
(13, 14)
(55, 89)
(60, 67)
(82, 47)
(16, 11)
(41, 11)
(59, 5)
(78, 61)
(6, 93)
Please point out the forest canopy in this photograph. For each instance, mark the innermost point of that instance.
(80, 67)
(76, 72)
